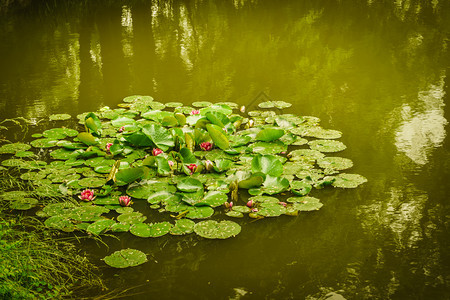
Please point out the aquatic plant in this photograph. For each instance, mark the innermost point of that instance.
(166, 157)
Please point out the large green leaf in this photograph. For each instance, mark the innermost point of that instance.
(189, 185)
(139, 139)
(87, 138)
(267, 164)
(270, 134)
(125, 258)
(159, 135)
(129, 175)
(218, 136)
(217, 230)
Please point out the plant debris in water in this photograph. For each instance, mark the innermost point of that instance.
(188, 163)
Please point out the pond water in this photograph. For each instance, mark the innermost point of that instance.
(375, 70)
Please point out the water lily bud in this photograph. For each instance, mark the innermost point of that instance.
(282, 203)
(171, 163)
(121, 129)
(195, 112)
(87, 195)
(254, 209)
(206, 146)
(209, 165)
(108, 146)
(157, 151)
(228, 204)
(192, 168)
(242, 109)
(250, 123)
(125, 201)
(250, 203)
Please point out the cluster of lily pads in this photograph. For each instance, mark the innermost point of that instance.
(187, 162)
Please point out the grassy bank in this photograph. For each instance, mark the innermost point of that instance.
(35, 263)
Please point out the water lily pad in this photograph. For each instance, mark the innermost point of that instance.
(140, 230)
(268, 148)
(44, 143)
(120, 227)
(269, 209)
(276, 104)
(217, 230)
(63, 154)
(88, 213)
(59, 117)
(300, 188)
(335, 163)
(201, 103)
(264, 199)
(23, 204)
(130, 174)
(345, 180)
(199, 212)
(242, 209)
(213, 199)
(22, 154)
(305, 155)
(327, 145)
(100, 226)
(60, 223)
(269, 134)
(321, 133)
(145, 189)
(271, 185)
(126, 258)
(160, 229)
(267, 164)
(183, 226)
(131, 218)
(218, 136)
(159, 135)
(189, 185)
(92, 182)
(174, 104)
(122, 121)
(234, 214)
(162, 196)
(13, 148)
(124, 210)
(307, 204)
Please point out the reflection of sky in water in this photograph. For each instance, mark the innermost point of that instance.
(422, 131)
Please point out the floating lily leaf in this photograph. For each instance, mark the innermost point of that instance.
(217, 230)
(13, 148)
(131, 218)
(199, 212)
(23, 154)
(23, 204)
(160, 136)
(174, 104)
(305, 155)
(183, 226)
(139, 139)
(322, 133)
(93, 123)
(157, 197)
(307, 204)
(201, 103)
(327, 145)
(189, 185)
(271, 185)
(129, 175)
(120, 227)
(145, 189)
(60, 223)
(138, 98)
(268, 148)
(160, 229)
(193, 198)
(124, 210)
(224, 109)
(267, 164)
(57, 117)
(336, 163)
(122, 121)
(125, 258)
(140, 230)
(221, 165)
(345, 180)
(88, 213)
(251, 182)
(295, 167)
(269, 134)
(300, 188)
(70, 145)
(213, 199)
(87, 138)
(238, 140)
(277, 104)
(234, 214)
(44, 143)
(92, 182)
(269, 209)
(100, 226)
(218, 137)
(241, 209)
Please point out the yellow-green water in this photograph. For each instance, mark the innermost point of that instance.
(376, 70)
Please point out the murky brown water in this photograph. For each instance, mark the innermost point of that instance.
(376, 70)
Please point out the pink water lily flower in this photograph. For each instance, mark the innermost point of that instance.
(250, 203)
(125, 201)
(87, 195)
(192, 168)
(121, 129)
(108, 146)
(157, 151)
(171, 163)
(195, 112)
(206, 146)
